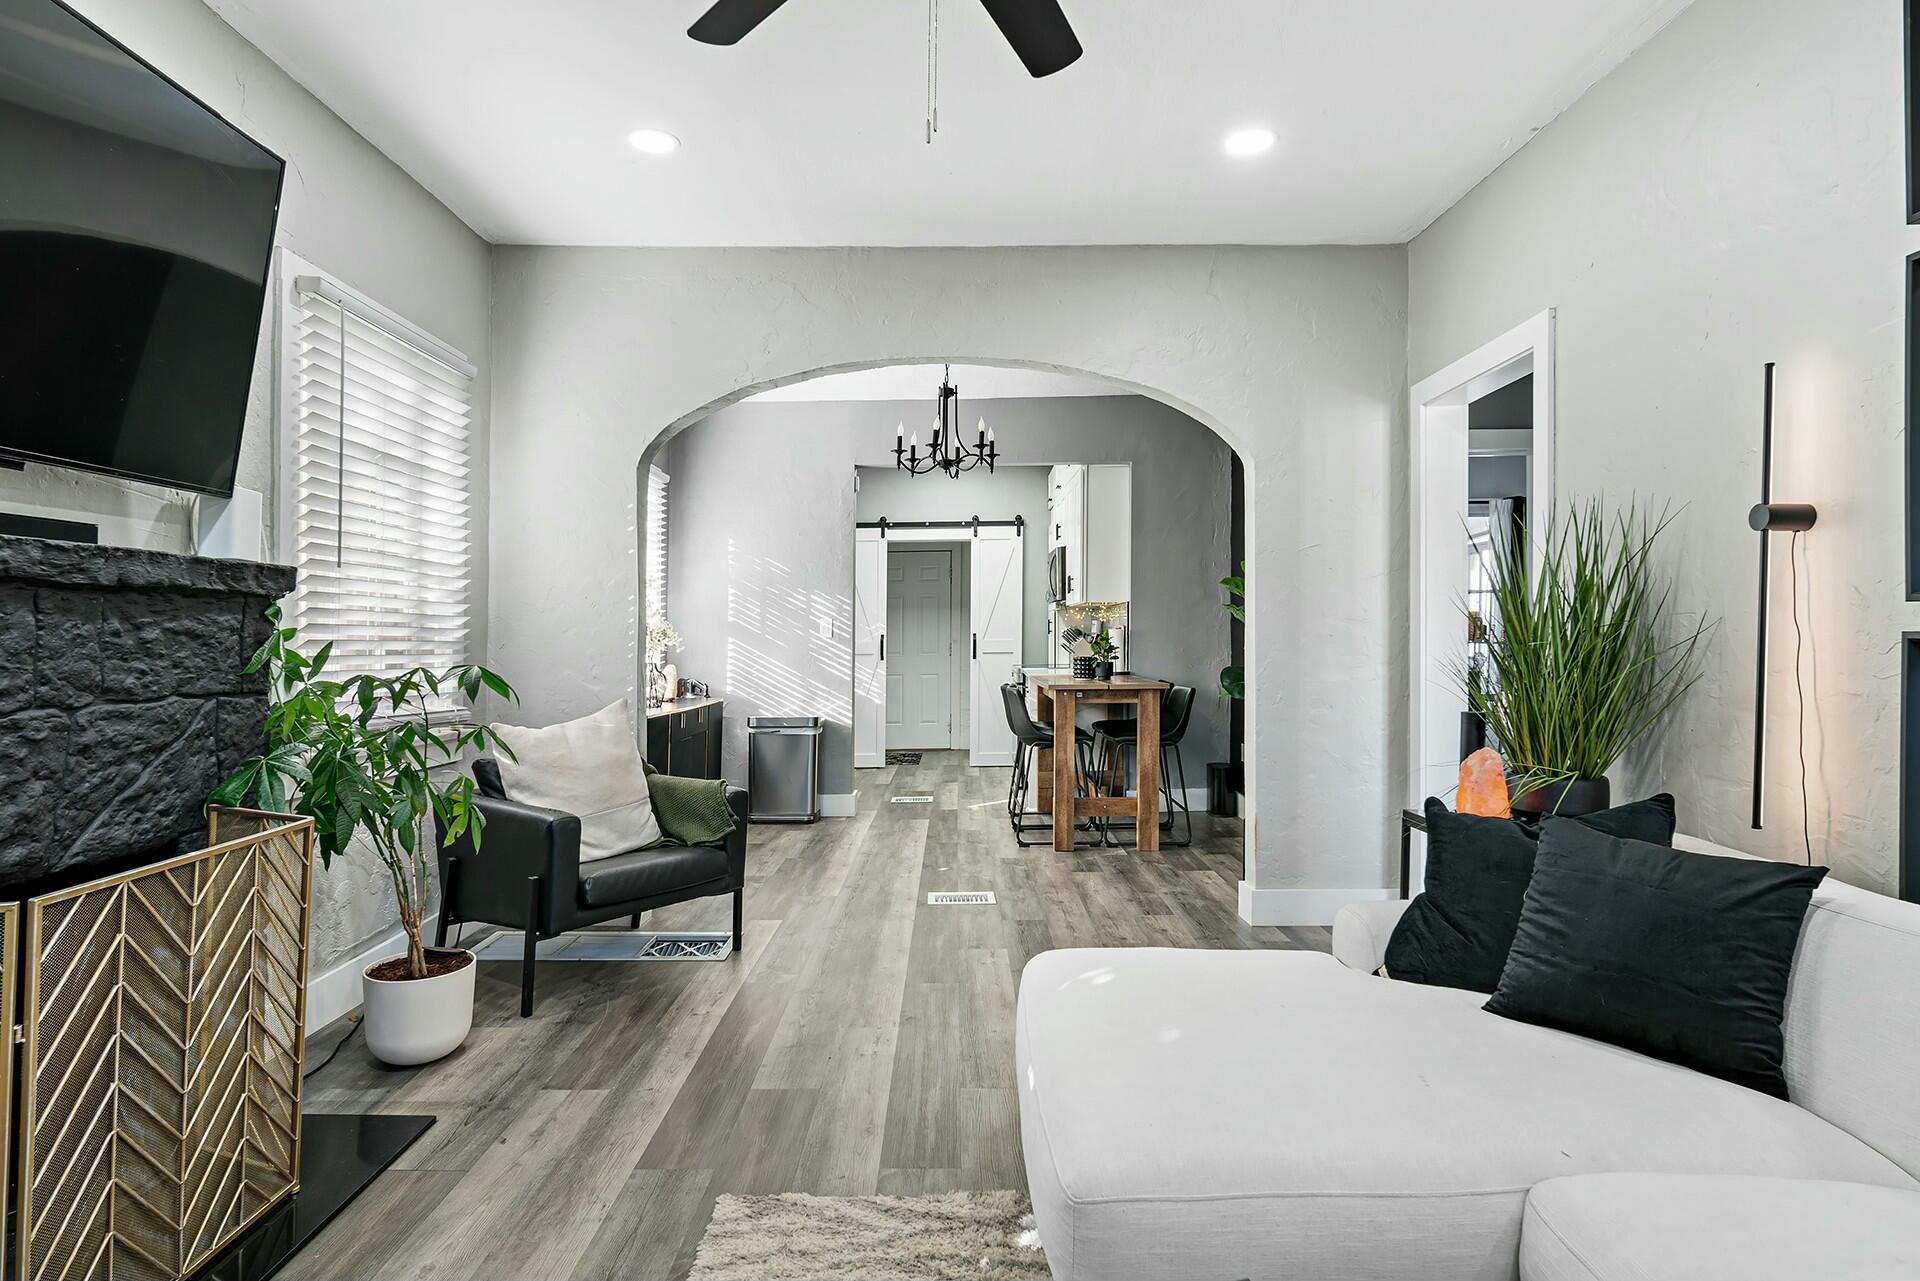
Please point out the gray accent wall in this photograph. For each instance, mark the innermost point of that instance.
(760, 569)
(1731, 194)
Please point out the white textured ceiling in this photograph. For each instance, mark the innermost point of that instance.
(809, 132)
(920, 382)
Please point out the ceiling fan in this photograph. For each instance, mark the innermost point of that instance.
(1037, 29)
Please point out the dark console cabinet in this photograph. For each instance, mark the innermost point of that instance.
(683, 738)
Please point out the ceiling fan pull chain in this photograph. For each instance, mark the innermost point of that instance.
(933, 69)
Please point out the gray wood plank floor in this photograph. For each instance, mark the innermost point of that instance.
(862, 1043)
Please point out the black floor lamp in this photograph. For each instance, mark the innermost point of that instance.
(1766, 518)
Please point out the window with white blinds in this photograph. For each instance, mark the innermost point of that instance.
(656, 546)
(381, 486)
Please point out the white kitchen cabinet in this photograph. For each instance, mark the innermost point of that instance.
(1090, 519)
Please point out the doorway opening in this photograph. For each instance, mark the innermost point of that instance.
(926, 614)
(777, 589)
(1481, 482)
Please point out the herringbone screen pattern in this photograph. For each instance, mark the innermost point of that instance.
(163, 1047)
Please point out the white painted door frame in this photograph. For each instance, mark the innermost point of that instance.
(954, 666)
(984, 715)
(1437, 419)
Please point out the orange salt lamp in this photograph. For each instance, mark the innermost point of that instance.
(1483, 786)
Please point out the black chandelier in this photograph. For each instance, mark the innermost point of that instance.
(947, 452)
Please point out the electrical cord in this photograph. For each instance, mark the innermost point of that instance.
(353, 1025)
(1800, 693)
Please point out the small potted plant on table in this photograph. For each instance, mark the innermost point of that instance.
(1104, 648)
(368, 759)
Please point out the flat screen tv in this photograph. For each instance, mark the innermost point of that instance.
(136, 228)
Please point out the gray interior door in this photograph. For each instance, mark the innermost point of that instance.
(920, 682)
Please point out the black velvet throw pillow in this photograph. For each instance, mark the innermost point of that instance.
(1683, 957)
(1457, 931)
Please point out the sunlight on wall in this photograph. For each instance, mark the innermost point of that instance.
(788, 651)
(636, 625)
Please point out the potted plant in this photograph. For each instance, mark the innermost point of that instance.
(1584, 653)
(364, 759)
(1104, 648)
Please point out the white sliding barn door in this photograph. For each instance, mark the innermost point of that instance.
(869, 649)
(997, 590)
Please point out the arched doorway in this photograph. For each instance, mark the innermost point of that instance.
(765, 523)
(1300, 366)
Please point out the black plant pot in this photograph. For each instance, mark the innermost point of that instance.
(1102, 671)
(1566, 800)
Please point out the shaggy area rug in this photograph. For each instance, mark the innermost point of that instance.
(985, 1235)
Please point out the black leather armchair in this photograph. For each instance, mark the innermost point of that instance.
(527, 873)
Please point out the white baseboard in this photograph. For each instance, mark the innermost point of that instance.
(337, 992)
(1302, 907)
(837, 805)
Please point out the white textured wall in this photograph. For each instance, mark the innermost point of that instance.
(1730, 195)
(352, 212)
(1296, 356)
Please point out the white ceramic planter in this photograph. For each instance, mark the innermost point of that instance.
(413, 1021)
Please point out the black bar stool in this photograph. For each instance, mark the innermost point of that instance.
(1029, 737)
(1114, 739)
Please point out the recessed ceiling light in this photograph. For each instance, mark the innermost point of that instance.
(1249, 142)
(654, 142)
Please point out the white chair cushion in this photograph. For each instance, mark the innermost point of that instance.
(590, 768)
(1676, 1227)
(1192, 1114)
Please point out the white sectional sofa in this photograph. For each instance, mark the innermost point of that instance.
(1191, 1115)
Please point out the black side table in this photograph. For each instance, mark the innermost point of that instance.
(1411, 821)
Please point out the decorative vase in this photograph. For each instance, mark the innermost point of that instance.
(413, 1021)
(1568, 799)
(1082, 667)
(1102, 671)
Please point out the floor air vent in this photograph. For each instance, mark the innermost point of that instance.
(609, 945)
(959, 896)
(912, 800)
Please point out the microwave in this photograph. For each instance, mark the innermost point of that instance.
(1059, 582)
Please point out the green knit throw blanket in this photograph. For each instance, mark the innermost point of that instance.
(691, 811)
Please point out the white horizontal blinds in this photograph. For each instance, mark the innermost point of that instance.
(656, 546)
(382, 503)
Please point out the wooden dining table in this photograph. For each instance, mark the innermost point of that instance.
(1056, 699)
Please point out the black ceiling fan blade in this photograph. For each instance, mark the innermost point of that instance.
(1039, 33)
(729, 20)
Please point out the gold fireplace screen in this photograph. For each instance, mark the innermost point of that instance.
(162, 1030)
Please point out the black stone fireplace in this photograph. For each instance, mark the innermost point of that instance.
(122, 702)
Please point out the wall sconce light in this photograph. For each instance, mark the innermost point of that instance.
(1767, 518)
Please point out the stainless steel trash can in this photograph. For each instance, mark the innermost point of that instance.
(783, 768)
